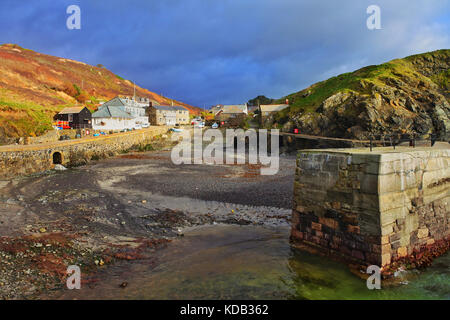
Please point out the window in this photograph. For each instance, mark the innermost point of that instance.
(70, 117)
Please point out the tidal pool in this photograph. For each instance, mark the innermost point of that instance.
(249, 262)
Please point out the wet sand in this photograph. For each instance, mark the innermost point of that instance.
(123, 209)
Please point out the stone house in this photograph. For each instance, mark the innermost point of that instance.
(215, 109)
(168, 115)
(75, 117)
(228, 112)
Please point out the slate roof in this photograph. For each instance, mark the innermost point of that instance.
(117, 102)
(122, 102)
(71, 110)
(111, 112)
(237, 108)
(273, 107)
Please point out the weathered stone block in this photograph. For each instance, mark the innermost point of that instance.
(387, 229)
(336, 205)
(339, 196)
(402, 252)
(385, 259)
(368, 183)
(386, 248)
(316, 226)
(422, 233)
(353, 229)
(331, 223)
(296, 234)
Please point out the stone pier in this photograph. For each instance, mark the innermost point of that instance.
(374, 207)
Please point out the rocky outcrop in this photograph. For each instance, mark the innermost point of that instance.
(402, 97)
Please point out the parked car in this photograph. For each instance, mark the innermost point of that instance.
(199, 125)
(215, 125)
(196, 121)
(146, 125)
(64, 137)
(137, 127)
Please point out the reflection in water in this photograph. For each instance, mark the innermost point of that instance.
(249, 262)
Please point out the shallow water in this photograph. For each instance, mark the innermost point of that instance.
(249, 262)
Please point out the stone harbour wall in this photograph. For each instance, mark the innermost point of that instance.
(372, 207)
(18, 160)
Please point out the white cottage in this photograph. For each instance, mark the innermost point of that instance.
(137, 109)
(112, 118)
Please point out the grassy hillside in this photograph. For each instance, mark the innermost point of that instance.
(21, 118)
(363, 80)
(34, 86)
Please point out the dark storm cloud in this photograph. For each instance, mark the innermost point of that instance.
(227, 51)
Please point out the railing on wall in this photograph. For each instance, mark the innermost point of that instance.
(388, 140)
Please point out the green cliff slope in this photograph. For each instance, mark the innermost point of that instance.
(404, 96)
